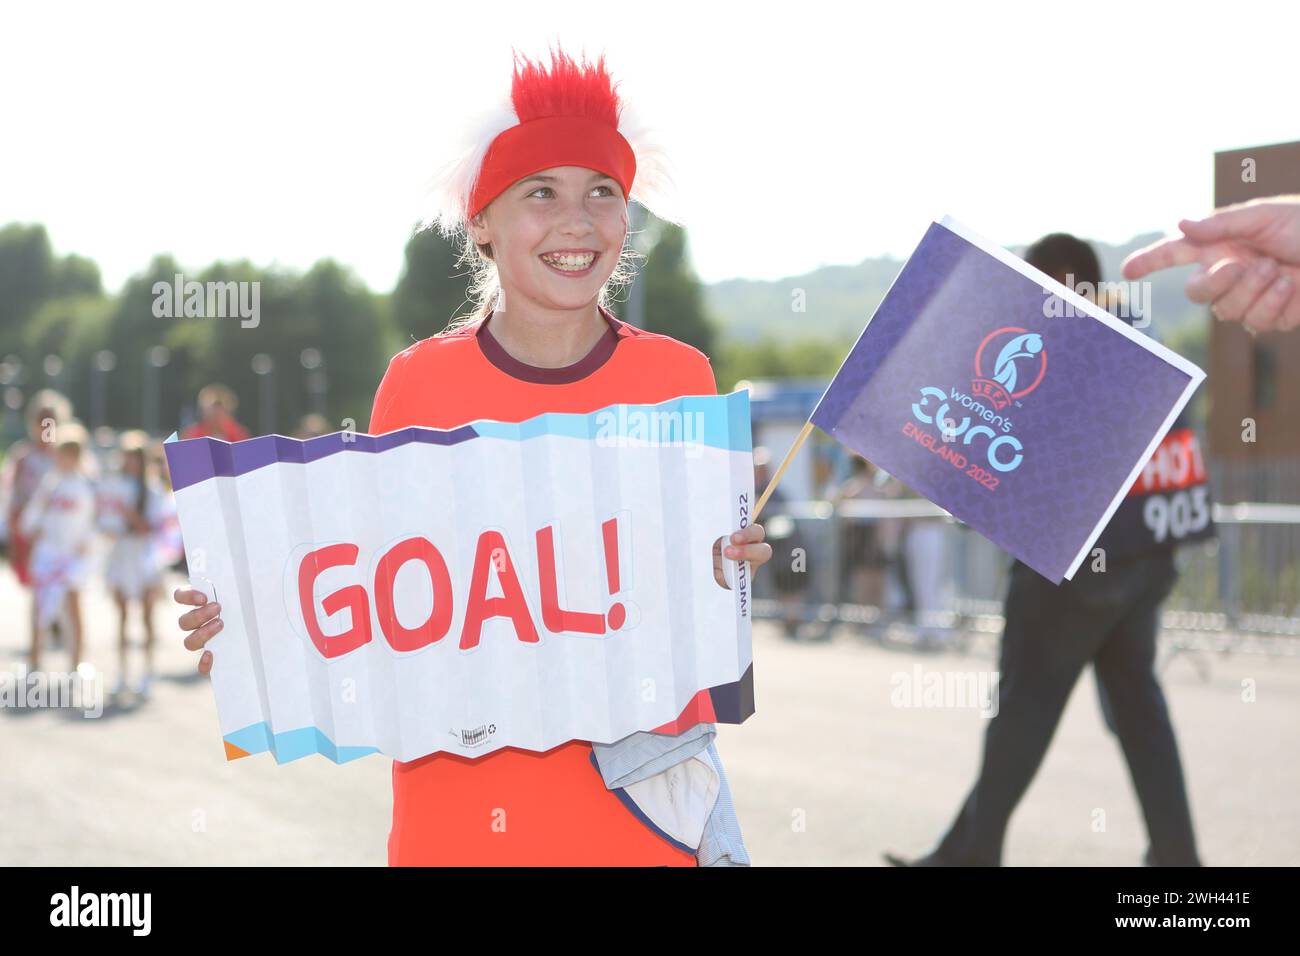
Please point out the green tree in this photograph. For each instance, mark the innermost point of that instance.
(812, 357)
(349, 327)
(26, 277)
(31, 275)
(674, 303)
(72, 328)
(77, 275)
(50, 308)
(134, 332)
(431, 291)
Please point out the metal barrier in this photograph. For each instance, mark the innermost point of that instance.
(1240, 591)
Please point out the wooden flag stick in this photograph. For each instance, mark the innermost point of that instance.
(785, 463)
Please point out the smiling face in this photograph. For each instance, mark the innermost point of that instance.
(555, 236)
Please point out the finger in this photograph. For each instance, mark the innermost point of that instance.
(1267, 309)
(754, 553)
(190, 596)
(1215, 282)
(197, 639)
(1159, 255)
(1241, 221)
(205, 663)
(1236, 302)
(198, 617)
(754, 532)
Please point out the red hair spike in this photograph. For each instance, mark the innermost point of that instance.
(569, 88)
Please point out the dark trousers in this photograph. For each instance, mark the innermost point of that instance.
(1110, 619)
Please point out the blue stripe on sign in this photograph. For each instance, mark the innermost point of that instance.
(293, 744)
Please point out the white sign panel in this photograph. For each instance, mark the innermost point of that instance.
(488, 586)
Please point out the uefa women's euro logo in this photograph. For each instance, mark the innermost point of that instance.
(1010, 363)
(1019, 362)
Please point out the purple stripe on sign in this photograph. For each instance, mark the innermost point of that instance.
(734, 703)
(198, 459)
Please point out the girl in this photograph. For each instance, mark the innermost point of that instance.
(25, 466)
(542, 198)
(132, 510)
(60, 522)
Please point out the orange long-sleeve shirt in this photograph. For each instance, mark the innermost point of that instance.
(518, 807)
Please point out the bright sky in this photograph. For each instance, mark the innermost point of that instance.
(805, 133)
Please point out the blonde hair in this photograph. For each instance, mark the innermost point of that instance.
(134, 439)
(71, 434)
(49, 400)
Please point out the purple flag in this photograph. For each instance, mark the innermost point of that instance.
(1005, 398)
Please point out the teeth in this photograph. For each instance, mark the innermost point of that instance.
(570, 262)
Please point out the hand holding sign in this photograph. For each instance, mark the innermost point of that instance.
(201, 625)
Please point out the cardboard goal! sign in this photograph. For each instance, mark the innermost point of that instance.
(481, 587)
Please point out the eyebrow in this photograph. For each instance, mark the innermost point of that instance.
(595, 176)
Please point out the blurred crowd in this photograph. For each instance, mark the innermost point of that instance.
(82, 508)
(891, 565)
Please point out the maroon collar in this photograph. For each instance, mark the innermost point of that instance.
(598, 356)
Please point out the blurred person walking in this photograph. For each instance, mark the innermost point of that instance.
(60, 520)
(217, 406)
(865, 559)
(1109, 617)
(26, 463)
(924, 561)
(132, 511)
